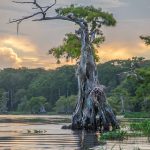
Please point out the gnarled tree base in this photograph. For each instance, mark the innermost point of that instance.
(96, 114)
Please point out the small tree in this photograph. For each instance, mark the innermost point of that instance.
(37, 104)
(91, 96)
(65, 104)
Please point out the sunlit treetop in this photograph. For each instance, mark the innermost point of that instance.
(94, 18)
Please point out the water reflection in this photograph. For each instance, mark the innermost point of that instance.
(86, 139)
(15, 136)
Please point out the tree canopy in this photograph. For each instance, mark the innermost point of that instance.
(93, 17)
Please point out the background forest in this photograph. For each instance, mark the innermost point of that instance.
(35, 91)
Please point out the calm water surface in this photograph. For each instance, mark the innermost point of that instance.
(17, 134)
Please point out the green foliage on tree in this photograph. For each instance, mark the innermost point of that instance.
(35, 105)
(71, 47)
(146, 39)
(119, 100)
(89, 21)
(22, 84)
(89, 13)
(136, 90)
(66, 105)
(19, 97)
(3, 101)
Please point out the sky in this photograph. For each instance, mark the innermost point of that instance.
(30, 47)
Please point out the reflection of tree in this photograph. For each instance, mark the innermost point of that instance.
(87, 139)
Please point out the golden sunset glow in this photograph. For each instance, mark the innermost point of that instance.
(18, 43)
(112, 51)
(12, 47)
(109, 52)
(30, 47)
(9, 58)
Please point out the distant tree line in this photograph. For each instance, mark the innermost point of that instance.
(38, 91)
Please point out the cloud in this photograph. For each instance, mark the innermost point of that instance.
(21, 52)
(122, 50)
(8, 58)
(47, 62)
(113, 51)
(13, 49)
(18, 43)
(143, 46)
(121, 41)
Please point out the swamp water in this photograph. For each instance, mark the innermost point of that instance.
(35, 132)
(20, 132)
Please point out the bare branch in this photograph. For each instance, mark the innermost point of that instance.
(80, 22)
(43, 11)
(41, 7)
(24, 18)
(34, 3)
(50, 6)
(38, 6)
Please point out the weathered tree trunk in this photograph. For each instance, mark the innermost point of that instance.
(92, 111)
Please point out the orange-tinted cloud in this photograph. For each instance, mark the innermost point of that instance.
(47, 62)
(122, 51)
(8, 58)
(20, 52)
(18, 43)
(12, 49)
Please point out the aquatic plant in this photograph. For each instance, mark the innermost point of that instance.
(143, 127)
(114, 135)
(36, 131)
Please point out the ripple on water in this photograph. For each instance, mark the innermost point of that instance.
(14, 136)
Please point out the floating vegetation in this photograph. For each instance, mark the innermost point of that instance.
(114, 135)
(36, 131)
(141, 127)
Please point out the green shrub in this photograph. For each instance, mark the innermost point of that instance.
(137, 115)
(135, 127)
(114, 135)
(65, 105)
(143, 127)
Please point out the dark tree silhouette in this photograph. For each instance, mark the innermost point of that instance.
(92, 110)
(146, 39)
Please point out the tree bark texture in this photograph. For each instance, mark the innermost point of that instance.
(92, 111)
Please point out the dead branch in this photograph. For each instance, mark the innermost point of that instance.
(42, 10)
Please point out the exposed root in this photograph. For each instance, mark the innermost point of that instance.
(96, 114)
